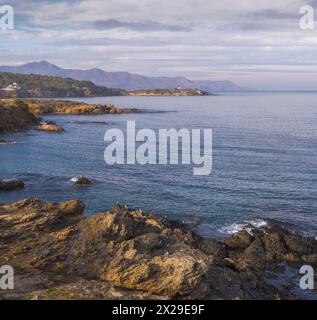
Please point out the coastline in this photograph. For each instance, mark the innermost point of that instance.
(21, 114)
(243, 258)
(129, 254)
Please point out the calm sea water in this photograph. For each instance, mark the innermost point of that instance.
(264, 163)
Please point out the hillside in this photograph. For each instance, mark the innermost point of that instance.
(16, 85)
(123, 80)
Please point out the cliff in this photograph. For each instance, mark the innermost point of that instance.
(15, 118)
(58, 253)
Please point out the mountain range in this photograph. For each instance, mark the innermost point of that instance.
(122, 80)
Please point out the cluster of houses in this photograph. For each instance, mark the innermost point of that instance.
(12, 87)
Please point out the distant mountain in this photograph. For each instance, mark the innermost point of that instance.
(123, 80)
(17, 85)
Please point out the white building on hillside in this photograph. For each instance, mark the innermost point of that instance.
(12, 87)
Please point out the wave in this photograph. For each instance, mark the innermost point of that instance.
(7, 142)
(236, 227)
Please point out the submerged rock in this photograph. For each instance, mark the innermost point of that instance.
(81, 181)
(133, 254)
(11, 184)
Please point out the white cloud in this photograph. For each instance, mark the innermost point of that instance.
(244, 40)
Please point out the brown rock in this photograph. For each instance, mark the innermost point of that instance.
(49, 127)
(81, 181)
(15, 118)
(125, 253)
(240, 240)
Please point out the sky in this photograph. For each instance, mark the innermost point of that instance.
(256, 44)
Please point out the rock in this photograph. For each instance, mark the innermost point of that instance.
(240, 240)
(81, 181)
(312, 258)
(18, 115)
(269, 246)
(255, 255)
(123, 253)
(11, 184)
(300, 245)
(49, 127)
(42, 107)
(15, 118)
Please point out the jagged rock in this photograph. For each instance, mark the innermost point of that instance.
(269, 246)
(240, 240)
(128, 254)
(49, 127)
(11, 184)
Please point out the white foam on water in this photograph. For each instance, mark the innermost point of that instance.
(8, 142)
(10, 180)
(236, 227)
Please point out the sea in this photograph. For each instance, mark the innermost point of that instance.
(264, 161)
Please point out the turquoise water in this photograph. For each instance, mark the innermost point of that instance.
(264, 161)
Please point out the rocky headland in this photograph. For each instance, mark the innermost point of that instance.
(14, 118)
(19, 115)
(58, 253)
(170, 92)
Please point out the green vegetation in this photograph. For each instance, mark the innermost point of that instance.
(170, 92)
(13, 85)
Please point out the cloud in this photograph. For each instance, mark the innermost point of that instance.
(276, 14)
(142, 26)
(192, 38)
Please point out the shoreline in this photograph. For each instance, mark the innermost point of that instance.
(139, 255)
(17, 115)
(60, 253)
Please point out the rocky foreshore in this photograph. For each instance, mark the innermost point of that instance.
(58, 253)
(18, 115)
